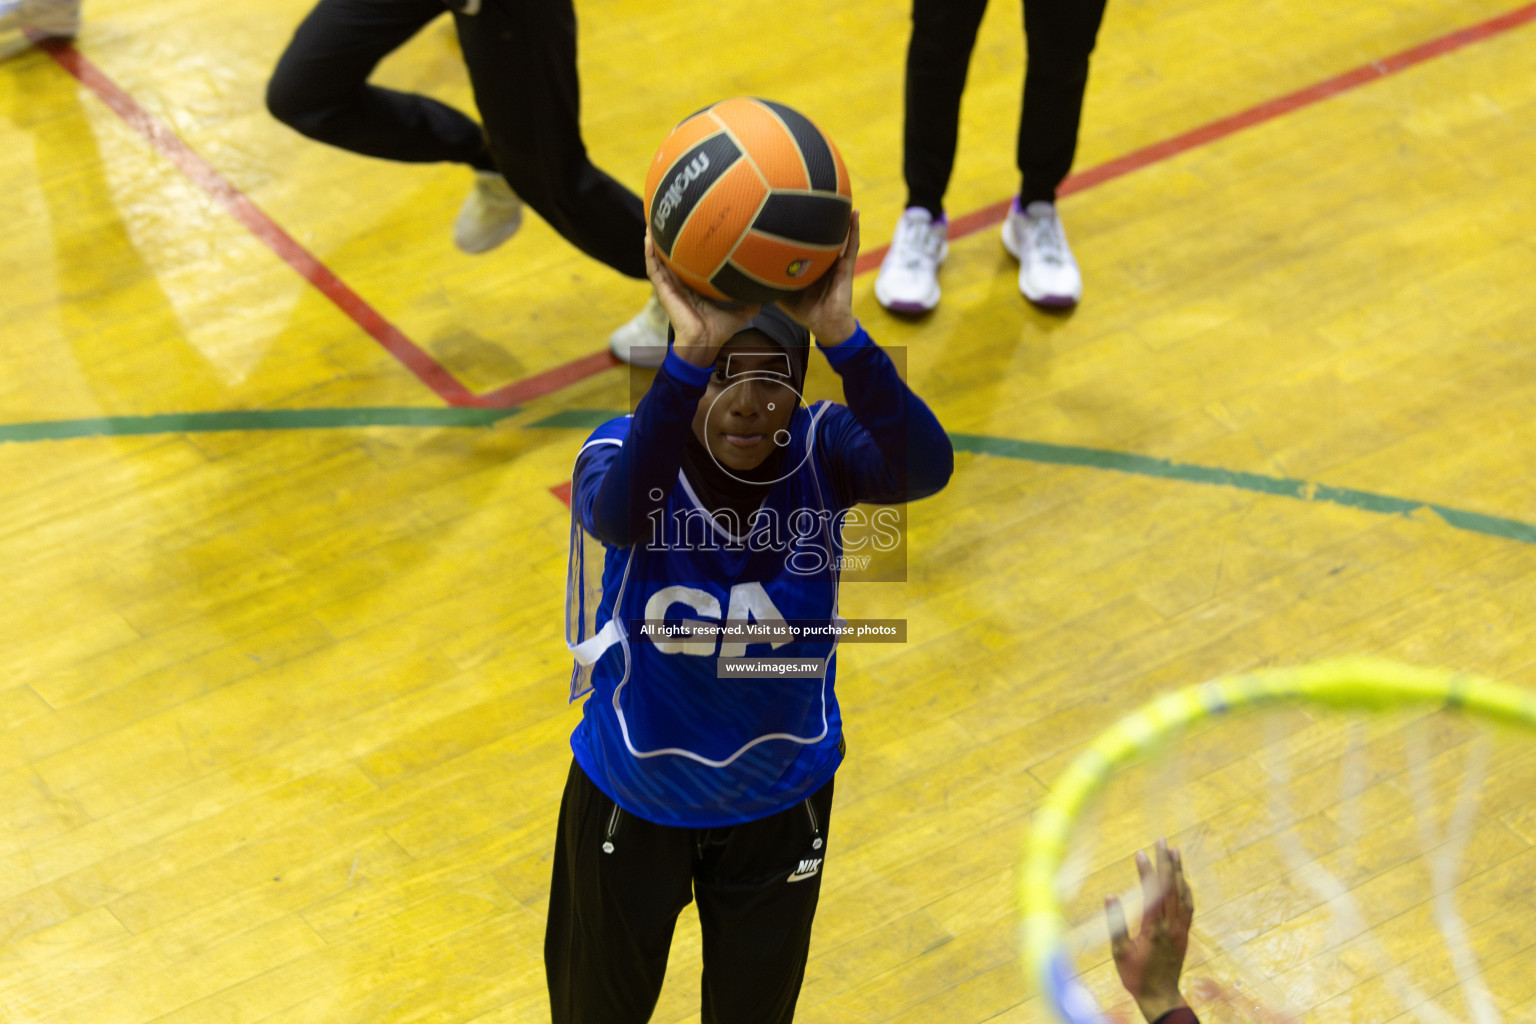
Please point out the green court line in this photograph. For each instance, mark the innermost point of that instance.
(571, 419)
(589, 419)
(1146, 465)
(1510, 529)
(262, 419)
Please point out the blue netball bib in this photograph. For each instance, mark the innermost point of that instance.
(662, 732)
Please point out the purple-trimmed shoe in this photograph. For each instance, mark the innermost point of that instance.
(1048, 275)
(909, 275)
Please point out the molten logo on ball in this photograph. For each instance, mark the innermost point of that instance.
(797, 267)
(674, 194)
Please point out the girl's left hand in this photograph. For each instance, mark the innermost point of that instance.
(826, 307)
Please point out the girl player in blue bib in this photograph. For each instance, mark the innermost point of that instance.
(717, 503)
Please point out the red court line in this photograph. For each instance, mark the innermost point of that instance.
(238, 205)
(989, 216)
(550, 381)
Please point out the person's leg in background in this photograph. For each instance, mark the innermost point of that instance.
(938, 58)
(1060, 36)
(522, 62)
(320, 89)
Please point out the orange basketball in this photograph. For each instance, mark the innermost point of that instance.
(748, 200)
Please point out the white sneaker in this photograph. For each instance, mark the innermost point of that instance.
(1048, 274)
(46, 17)
(909, 274)
(642, 341)
(490, 215)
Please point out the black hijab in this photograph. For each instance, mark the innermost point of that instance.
(733, 496)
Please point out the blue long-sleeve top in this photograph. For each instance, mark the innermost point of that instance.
(885, 446)
(662, 733)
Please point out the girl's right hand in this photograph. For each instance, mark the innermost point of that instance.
(701, 325)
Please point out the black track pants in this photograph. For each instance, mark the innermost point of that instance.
(320, 87)
(521, 56)
(620, 882)
(1059, 36)
(522, 63)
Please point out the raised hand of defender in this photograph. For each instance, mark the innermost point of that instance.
(701, 325)
(826, 307)
(1150, 963)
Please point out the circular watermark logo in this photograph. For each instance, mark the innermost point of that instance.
(781, 437)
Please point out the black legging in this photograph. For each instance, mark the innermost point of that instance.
(619, 882)
(1059, 36)
(521, 56)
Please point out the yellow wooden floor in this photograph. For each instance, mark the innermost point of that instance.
(282, 727)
